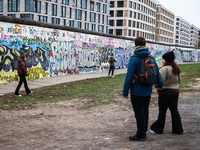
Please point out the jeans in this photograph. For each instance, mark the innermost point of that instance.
(165, 102)
(141, 108)
(111, 69)
(22, 79)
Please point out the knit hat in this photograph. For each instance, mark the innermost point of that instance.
(169, 56)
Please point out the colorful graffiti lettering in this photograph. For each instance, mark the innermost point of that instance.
(52, 52)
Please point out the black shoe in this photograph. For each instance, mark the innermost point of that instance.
(177, 132)
(136, 138)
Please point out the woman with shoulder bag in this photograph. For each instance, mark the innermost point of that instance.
(22, 72)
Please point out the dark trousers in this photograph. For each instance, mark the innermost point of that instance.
(165, 102)
(111, 69)
(141, 108)
(22, 79)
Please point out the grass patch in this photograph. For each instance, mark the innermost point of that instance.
(101, 91)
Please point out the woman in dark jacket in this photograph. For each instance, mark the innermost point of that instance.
(22, 72)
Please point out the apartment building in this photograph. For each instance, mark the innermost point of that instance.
(84, 14)
(194, 37)
(181, 32)
(164, 25)
(132, 18)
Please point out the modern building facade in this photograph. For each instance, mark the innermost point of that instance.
(181, 32)
(132, 18)
(194, 37)
(164, 25)
(84, 14)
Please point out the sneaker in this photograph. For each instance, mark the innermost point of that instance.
(112, 76)
(151, 131)
(30, 93)
(18, 95)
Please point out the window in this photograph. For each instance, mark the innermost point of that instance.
(27, 16)
(104, 8)
(86, 26)
(85, 15)
(138, 7)
(111, 13)
(129, 23)
(133, 33)
(65, 2)
(92, 17)
(12, 15)
(98, 7)
(134, 14)
(130, 4)
(64, 22)
(133, 23)
(129, 32)
(55, 20)
(107, 29)
(29, 5)
(93, 27)
(42, 18)
(74, 3)
(38, 6)
(100, 28)
(120, 3)
(111, 22)
(71, 23)
(112, 4)
(138, 15)
(78, 14)
(83, 4)
(1, 5)
(53, 9)
(63, 11)
(119, 22)
(107, 20)
(134, 5)
(138, 24)
(99, 18)
(118, 31)
(13, 5)
(92, 5)
(46, 8)
(110, 31)
(78, 24)
(130, 14)
(120, 13)
(103, 19)
(70, 12)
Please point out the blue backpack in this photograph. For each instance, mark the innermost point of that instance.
(148, 74)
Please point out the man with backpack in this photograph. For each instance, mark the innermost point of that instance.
(141, 86)
(112, 64)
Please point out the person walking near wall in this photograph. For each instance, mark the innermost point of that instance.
(112, 64)
(140, 94)
(22, 72)
(168, 97)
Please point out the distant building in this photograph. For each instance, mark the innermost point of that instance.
(194, 37)
(181, 32)
(84, 14)
(132, 18)
(164, 25)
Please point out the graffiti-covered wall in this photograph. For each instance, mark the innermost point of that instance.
(53, 52)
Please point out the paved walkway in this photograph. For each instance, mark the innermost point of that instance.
(37, 83)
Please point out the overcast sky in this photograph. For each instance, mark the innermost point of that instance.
(189, 10)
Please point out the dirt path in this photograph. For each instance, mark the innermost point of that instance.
(68, 126)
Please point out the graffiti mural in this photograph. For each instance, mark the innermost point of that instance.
(52, 52)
